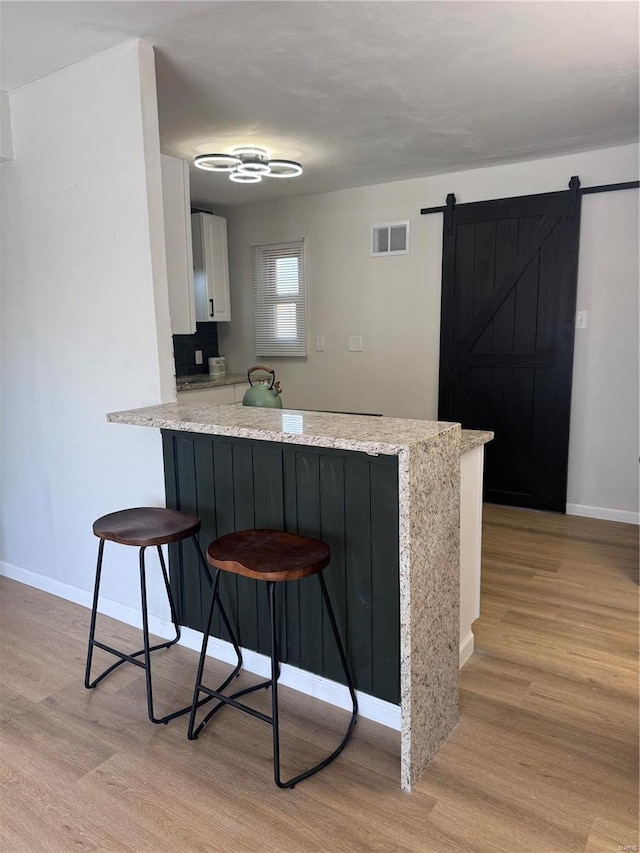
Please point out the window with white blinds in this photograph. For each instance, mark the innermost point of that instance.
(280, 299)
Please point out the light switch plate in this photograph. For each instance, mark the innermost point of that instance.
(582, 319)
(320, 343)
(355, 343)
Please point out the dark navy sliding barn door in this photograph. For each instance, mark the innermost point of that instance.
(506, 346)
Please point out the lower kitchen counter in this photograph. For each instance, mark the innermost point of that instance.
(204, 380)
(217, 392)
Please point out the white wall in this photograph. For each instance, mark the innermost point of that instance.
(394, 303)
(6, 141)
(391, 302)
(82, 295)
(603, 451)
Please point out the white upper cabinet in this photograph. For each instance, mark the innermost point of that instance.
(177, 235)
(211, 267)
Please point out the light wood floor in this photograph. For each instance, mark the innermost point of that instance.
(544, 759)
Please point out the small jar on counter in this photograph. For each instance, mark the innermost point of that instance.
(218, 367)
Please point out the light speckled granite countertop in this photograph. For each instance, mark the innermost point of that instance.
(321, 429)
(203, 380)
(470, 438)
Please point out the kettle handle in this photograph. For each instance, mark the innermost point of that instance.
(266, 369)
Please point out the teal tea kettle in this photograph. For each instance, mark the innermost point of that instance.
(262, 393)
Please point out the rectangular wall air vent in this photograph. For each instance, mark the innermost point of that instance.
(391, 238)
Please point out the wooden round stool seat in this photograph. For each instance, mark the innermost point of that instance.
(147, 525)
(268, 555)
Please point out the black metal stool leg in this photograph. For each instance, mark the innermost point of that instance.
(223, 612)
(203, 654)
(192, 731)
(145, 636)
(93, 643)
(145, 639)
(275, 674)
(341, 651)
(145, 652)
(274, 699)
(172, 606)
(94, 613)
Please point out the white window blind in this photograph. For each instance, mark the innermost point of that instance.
(280, 299)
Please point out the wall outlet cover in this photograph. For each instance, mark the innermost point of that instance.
(355, 343)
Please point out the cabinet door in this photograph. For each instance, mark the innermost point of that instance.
(211, 268)
(221, 396)
(177, 237)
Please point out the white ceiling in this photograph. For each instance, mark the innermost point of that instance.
(362, 91)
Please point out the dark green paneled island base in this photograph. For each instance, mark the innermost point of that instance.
(347, 499)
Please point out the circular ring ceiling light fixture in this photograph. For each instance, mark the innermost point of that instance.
(217, 162)
(248, 164)
(284, 169)
(239, 177)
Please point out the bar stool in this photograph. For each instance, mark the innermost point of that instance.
(272, 556)
(144, 527)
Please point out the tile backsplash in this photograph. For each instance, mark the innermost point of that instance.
(185, 346)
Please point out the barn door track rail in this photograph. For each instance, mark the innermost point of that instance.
(574, 185)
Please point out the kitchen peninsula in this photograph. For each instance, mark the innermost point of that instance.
(384, 493)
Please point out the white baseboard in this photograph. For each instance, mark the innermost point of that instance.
(466, 649)
(121, 612)
(369, 707)
(604, 513)
(305, 682)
